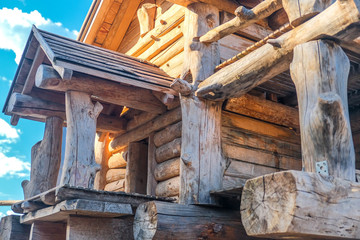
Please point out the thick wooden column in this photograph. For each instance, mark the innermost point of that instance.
(79, 167)
(320, 71)
(48, 231)
(10, 228)
(202, 164)
(45, 159)
(324, 201)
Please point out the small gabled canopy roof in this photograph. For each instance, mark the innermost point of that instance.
(71, 59)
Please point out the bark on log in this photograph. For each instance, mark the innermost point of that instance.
(168, 151)
(45, 159)
(79, 167)
(118, 160)
(115, 174)
(301, 205)
(110, 92)
(168, 188)
(235, 80)
(167, 169)
(244, 18)
(161, 220)
(168, 134)
(300, 11)
(319, 71)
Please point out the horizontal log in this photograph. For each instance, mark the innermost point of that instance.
(140, 119)
(301, 205)
(168, 134)
(339, 20)
(118, 160)
(110, 92)
(27, 106)
(168, 151)
(115, 186)
(113, 175)
(168, 188)
(167, 169)
(144, 130)
(265, 110)
(158, 220)
(247, 170)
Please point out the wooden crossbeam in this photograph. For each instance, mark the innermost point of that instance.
(339, 20)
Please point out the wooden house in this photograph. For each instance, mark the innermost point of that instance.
(194, 119)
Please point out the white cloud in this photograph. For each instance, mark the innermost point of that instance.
(2, 215)
(15, 27)
(11, 166)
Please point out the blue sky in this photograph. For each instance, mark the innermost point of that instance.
(63, 17)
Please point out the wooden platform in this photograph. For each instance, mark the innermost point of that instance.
(63, 193)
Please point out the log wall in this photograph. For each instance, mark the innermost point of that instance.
(115, 176)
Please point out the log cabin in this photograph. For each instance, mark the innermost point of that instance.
(193, 119)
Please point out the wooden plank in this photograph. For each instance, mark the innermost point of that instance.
(267, 62)
(47, 231)
(121, 23)
(144, 130)
(151, 181)
(247, 170)
(82, 228)
(81, 207)
(11, 229)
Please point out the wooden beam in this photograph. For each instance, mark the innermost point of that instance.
(266, 62)
(45, 159)
(79, 167)
(244, 17)
(301, 205)
(100, 89)
(10, 228)
(27, 106)
(157, 220)
(30, 80)
(144, 130)
(146, 16)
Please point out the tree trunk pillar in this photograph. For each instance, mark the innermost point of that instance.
(79, 167)
(320, 71)
(202, 164)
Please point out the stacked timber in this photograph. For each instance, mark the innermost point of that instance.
(167, 156)
(115, 176)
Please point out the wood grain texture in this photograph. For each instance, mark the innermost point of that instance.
(266, 62)
(167, 169)
(11, 229)
(168, 151)
(101, 151)
(168, 188)
(45, 159)
(115, 174)
(300, 205)
(119, 159)
(319, 71)
(168, 134)
(79, 167)
(151, 181)
(47, 231)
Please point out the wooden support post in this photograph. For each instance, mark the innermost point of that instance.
(11, 229)
(45, 159)
(202, 164)
(79, 167)
(151, 166)
(136, 174)
(48, 231)
(324, 201)
(161, 220)
(320, 70)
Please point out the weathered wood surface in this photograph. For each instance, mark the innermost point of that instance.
(168, 188)
(101, 151)
(28, 106)
(244, 17)
(11, 229)
(265, 110)
(268, 61)
(151, 181)
(323, 108)
(168, 134)
(118, 160)
(80, 207)
(146, 15)
(79, 167)
(301, 205)
(136, 174)
(144, 130)
(140, 119)
(156, 220)
(168, 151)
(300, 11)
(167, 169)
(84, 228)
(47, 231)
(110, 92)
(115, 186)
(45, 159)
(115, 174)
